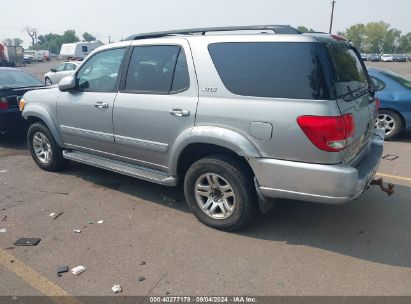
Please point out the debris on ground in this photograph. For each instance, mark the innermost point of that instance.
(169, 200)
(3, 171)
(142, 263)
(4, 218)
(27, 242)
(77, 270)
(390, 157)
(61, 270)
(77, 231)
(100, 222)
(379, 182)
(57, 215)
(141, 279)
(10, 248)
(3, 230)
(116, 288)
(52, 214)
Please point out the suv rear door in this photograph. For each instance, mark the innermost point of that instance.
(156, 103)
(352, 87)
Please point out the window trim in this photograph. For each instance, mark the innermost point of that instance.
(116, 86)
(122, 86)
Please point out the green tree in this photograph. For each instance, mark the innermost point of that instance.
(88, 37)
(304, 29)
(69, 36)
(17, 41)
(8, 41)
(357, 35)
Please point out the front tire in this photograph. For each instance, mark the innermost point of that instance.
(391, 122)
(44, 149)
(220, 192)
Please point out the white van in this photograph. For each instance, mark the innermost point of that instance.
(78, 50)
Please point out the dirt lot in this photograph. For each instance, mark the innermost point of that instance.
(360, 248)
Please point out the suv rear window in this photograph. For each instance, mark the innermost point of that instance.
(271, 69)
(351, 77)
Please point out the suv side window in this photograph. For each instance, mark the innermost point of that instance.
(271, 69)
(158, 69)
(100, 72)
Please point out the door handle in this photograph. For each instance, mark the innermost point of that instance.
(179, 112)
(101, 105)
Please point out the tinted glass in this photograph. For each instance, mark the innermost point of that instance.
(17, 79)
(84, 48)
(351, 76)
(152, 68)
(100, 72)
(181, 79)
(271, 69)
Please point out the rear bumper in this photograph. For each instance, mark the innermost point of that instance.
(330, 184)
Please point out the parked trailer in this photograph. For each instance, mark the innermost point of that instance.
(78, 50)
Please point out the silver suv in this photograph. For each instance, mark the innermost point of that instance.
(239, 118)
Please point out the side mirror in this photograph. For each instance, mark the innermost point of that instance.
(68, 83)
(53, 70)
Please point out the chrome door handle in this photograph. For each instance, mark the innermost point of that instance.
(179, 112)
(101, 105)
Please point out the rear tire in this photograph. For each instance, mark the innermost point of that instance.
(391, 122)
(44, 149)
(220, 192)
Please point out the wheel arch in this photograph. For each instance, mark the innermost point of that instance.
(36, 113)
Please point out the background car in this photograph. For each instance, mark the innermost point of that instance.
(364, 56)
(387, 58)
(394, 92)
(374, 57)
(400, 58)
(13, 84)
(62, 70)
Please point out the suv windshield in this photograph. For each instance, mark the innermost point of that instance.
(404, 81)
(351, 78)
(271, 69)
(16, 78)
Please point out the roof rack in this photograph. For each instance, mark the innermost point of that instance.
(277, 29)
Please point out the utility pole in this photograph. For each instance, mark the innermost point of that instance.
(332, 15)
(109, 39)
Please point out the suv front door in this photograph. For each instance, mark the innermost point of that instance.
(157, 102)
(85, 115)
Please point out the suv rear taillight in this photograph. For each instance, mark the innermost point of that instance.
(4, 105)
(328, 133)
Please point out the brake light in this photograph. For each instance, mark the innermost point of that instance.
(4, 105)
(328, 133)
(339, 37)
(377, 103)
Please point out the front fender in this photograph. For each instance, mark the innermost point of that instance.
(35, 110)
(217, 136)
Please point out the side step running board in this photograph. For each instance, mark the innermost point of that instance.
(122, 168)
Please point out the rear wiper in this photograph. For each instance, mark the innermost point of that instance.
(355, 93)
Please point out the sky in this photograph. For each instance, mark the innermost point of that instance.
(121, 18)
